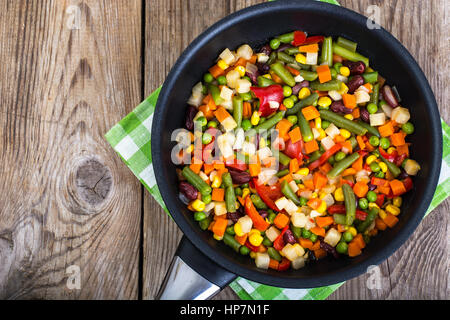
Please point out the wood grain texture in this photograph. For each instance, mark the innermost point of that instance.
(70, 70)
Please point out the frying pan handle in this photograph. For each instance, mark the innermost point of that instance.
(192, 275)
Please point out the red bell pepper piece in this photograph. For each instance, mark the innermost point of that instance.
(313, 39)
(324, 157)
(284, 264)
(294, 150)
(251, 247)
(399, 159)
(390, 157)
(266, 94)
(279, 241)
(268, 194)
(351, 184)
(380, 199)
(236, 164)
(361, 215)
(336, 208)
(258, 222)
(299, 38)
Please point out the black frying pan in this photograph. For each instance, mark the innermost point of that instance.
(217, 263)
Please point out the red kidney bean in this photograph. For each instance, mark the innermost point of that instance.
(288, 237)
(188, 190)
(372, 187)
(263, 213)
(357, 67)
(389, 97)
(253, 76)
(296, 89)
(283, 47)
(262, 67)
(266, 49)
(190, 115)
(338, 107)
(234, 216)
(325, 246)
(354, 83)
(365, 115)
(239, 177)
(402, 175)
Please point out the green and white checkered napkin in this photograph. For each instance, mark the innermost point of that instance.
(131, 139)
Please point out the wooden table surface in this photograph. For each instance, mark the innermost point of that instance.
(69, 71)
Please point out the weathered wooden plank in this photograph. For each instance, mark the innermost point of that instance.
(70, 70)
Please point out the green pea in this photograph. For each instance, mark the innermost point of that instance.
(238, 191)
(339, 156)
(244, 250)
(379, 174)
(204, 90)
(199, 216)
(372, 108)
(347, 236)
(208, 78)
(246, 124)
(287, 91)
(288, 103)
(337, 66)
(363, 203)
(230, 230)
(306, 234)
(206, 138)
(325, 124)
(247, 96)
(206, 198)
(266, 242)
(245, 185)
(222, 80)
(313, 237)
(375, 167)
(303, 201)
(247, 78)
(294, 98)
(342, 247)
(374, 141)
(371, 196)
(334, 73)
(384, 143)
(272, 217)
(212, 124)
(408, 128)
(382, 103)
(274, 44)
(292, 119)
(202, 120)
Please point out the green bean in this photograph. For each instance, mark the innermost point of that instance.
(353, 142)
(274, 254)
(226, 180)
(350, 203)
(297, 231)
(289, 193)
(264, 82)
(342, 165)
(342, 122)
(327, 51)
(375, 95)
(196, 181)
(285, 57)
(326, 86)
(391, 167)
(204, 224)
(284, 75)
(370, 77)
(305, 129)
(291, 51)
(230, 241)
(371, 216)
(266, 242)
(309, 100)
(314, 156)
(257, 201)
(347, 44)
(286, 38)
(269, 123)
(370, 129)
(339, 218)
(349, 55)
(272, 58)
(238, 109)
(282, 173)
(230, 199)
(309, 75)
(215, 93)
(283, 159)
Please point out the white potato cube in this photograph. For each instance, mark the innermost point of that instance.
(332, 237)
(298, 219)
(232, 77)
(298, 78)
(311, 58)
(262, 57)
(246, 224)
(243, 85)
(298, 263)
(377, 119)
(227, 56)
(245, 51)
(332, 131)
(226, 93)
(293, 186)
(362, 97)
(229, 123)
(336, 96)
(400, 115)
(290, 207)
(220, 208)
(327, 142)
(272, 233)
(281, 203)
(262, 260)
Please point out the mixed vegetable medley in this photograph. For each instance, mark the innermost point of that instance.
(295, 151)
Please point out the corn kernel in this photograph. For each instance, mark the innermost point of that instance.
(262, 143)
(345, 71)
(382, 214)
(324, 102)
(198, 205)
(371, 159)
(237, 204)
(345, 133)
(314, 195)
(222, 64)
(252, 254)
(348, 116)
(390, 150)
(397, 201)
(393, 209)
(218, 238)
(255, 239)
(353, 231)
(241, 70)
(303, 171)
(190, 149)
(245, 192)
(300, 58)
(304, 92)
(322, 208)
(255, 118)
(252, 231)
(344, 88)
(318, 123)
(216, 182)
(301, 186)
(383, 166)
(268, 76)
(373, 205)
(339, 194)
(322, 134)
(238, 229)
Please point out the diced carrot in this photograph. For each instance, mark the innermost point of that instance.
(219, 226)
(293, 165)
(398, 188)
(218, 194)
(380, 225)
(390, 220)
(254, 168)
(353, 249)
(281, 220)
(373, 232)
(207, 112)
(349, 100)
(305, 243)
(325, 168)
(348, 172)
(196, 167)
(369, 147)
(310, 113)
(241, 62)
(403, 149)
(295, 72)
(309, 184)
(253, 59)
(262, 248)
(379, 181)
(386, 129)
(309, 48)
(337, 58)
(221, 114)
(282, 107)
(341, 228)
(398, 139)
(287, 177)
(207, 99)
(241, 239)
(339, 139)
(314, 203)
(324, 221)
(216, 71)
(273, 264)
(359, 240)
(356, 113)
(283, 128)
(316, 245)
(324, 73)
(219, 165)
(347, 145)
(311, 146)
(358, 164)
(368, 86)
(361, 142)
(295, 135)
(208, 168)
(319, 180)
(276, 78)
(269, 162)
(384, 190)
(247, 112)
(318, 231)
(360, 189)
(320, 253)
